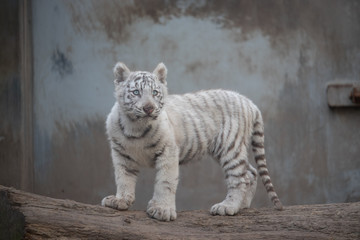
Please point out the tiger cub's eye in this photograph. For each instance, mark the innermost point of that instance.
(136, 92)
(155, 93)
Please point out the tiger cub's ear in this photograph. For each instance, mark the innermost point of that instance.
(161, 72)
(121, 72)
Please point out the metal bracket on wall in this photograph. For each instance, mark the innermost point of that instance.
(343, 94)
(355, 95)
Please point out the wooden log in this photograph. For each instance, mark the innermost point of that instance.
(33, 216)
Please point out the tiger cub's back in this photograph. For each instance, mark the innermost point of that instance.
(212, 121)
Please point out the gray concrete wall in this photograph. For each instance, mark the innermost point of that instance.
(10, 95)
(281, 54)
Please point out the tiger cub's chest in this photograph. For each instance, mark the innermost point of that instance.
(138, 151)
(144, 149)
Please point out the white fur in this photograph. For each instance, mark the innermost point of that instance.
(180, 128)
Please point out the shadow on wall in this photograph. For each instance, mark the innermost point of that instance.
(81, 166)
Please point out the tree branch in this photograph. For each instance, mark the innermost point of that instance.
(34, 217)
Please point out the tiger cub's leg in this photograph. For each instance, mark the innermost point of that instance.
(251, 188)
(238, 182)
(162, 205)
(126, 171)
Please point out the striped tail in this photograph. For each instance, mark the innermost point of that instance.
(259, 153)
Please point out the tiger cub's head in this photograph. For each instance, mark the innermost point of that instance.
(140, 94)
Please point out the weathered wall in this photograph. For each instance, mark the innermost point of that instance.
(10, 94)
(281, 54)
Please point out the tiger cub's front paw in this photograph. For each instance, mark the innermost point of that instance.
(161, 212)
(117, 203)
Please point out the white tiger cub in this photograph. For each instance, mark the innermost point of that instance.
(148, 127)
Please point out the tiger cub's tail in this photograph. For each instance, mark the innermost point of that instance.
(259, 154)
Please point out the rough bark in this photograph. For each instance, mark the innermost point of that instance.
(35, 217)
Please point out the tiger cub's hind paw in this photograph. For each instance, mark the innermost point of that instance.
(224, 208)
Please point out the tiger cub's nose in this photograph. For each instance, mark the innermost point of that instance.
(148, 109)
